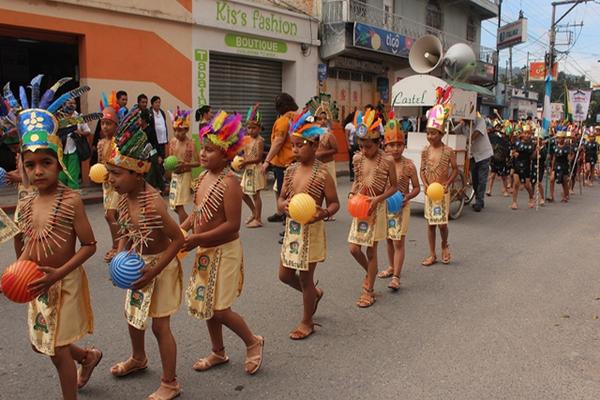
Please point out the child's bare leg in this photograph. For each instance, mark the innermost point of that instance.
(181, 214)
(431, 241)
(390, 253)
(289, 277)
(444, 231)
(529, 188)
(371, 266)
(398, 256)
(515, 193)
(359, 256)
(491, 183)
(138, 346)
(67, 372)
(167, 347)
(248, 200)
(254, 343)
(257, 207)
(309, 294)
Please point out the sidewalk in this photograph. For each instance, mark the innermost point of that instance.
(93, 194)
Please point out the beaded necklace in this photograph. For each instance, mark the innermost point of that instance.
(315, 185)
(149, 221)
(376, 182)
(212, 200)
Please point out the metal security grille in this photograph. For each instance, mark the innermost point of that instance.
(237, 82)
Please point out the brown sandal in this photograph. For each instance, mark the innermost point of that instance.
(429, 261)
(204, 364)
(173, 390)
(130, 366)
(253, 363)
(87, 367)
(387, 273)
(446, 256)
(394, 283)
(366, 299)
(299, 334)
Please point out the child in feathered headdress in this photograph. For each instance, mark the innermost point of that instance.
(438, 165)
(304, 243)
(253, 179)
(182, 147)
(215, 225)
(328, 147)
(375, 178)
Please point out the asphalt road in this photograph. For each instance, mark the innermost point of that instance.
(515, 316)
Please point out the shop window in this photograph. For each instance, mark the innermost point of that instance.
(367, 78)
(332, 73)
(471, 29)
(356, 76)
(433, 16)
(345, 75)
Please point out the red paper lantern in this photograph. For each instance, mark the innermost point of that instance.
(358, 206)
(16, 278)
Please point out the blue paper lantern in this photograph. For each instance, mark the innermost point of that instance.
(125, 268)
(394, 202)
(2, 177)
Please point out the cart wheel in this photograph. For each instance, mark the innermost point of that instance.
(469, 194)
(457, 196)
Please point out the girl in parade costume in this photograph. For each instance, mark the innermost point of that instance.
(253, 180)
(305, 245)
(218, 273)
(145, 227)
(561, 161)
(182, 147)
(328, 147)
(499, 165)
(591, 158)
(51, 220)
(408, 185)
(111, 114)
(375, 176)
(523, 154)
(438, 164)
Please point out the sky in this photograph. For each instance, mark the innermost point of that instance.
(583, 55)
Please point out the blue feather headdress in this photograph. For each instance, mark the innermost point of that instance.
(304, 126)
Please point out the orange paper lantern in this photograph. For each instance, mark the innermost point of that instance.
(358, 206)
(16, 278)
(435, 192)
(302, 208)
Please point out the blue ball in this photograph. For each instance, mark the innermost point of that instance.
(125, 268)
(2, 177)
(394, 202)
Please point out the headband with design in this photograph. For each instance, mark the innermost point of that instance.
(304, 126)
(131, 149)
(181, 118)
(254, 116)
(440, 112)
(226, 132)
(392, 132)
(367, 125)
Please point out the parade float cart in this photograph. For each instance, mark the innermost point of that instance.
(414, 94)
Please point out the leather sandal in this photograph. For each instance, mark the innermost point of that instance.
(366, 299)
(166, 391)
(204, 364)
(429, 261)
(130, 366)
(299, 334)
(253, 363)
(394, 283)
(387, 273)
(88, 366)
(446, 256)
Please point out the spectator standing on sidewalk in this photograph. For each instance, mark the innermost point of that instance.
(280, 154)
(71, 157)
(350, 130)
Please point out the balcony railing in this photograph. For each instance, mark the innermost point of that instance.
(336, 11)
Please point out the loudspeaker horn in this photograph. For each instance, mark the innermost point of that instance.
(426, 54)
(459, 61)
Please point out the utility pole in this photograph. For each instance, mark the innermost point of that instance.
(498, 50)
(509, 72)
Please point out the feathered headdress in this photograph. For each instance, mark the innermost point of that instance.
(392, 132)
(110, 109)
(38, 121)
(440, 112)
(226, 132)
(131, 149)
(254, 116)
(322, 103)
(181, 118)
(367, 125)
(304, 126)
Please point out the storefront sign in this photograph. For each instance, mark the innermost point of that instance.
(416, 90)
(537, 71)
(255, 46)
(512, 34)
(201, 58)
(372, 38)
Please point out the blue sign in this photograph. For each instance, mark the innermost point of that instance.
(322, 72)
(372, 38)
(383, 87)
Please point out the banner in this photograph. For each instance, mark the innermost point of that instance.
(556, 111)
(537, 71)
(372, 38)
(580, 103)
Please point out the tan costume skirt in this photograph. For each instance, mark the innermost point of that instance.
(110, 197)
(332, 171)
(180, 189)
(63, 315)
(437, 213)
(160, 298)
(217, 279)
(253, 179)
(303, 244)
(397, 224)
(367, 232)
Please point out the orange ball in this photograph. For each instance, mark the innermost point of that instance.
(16, 278)
(358, 206)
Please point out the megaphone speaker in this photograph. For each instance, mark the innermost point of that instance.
(459, 62)
(426, 54)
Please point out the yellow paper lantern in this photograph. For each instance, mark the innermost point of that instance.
(302, 208)
(98, 173)
(236, 163)
(182, 253)
(435, 192)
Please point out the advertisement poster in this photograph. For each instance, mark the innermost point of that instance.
(372, 38)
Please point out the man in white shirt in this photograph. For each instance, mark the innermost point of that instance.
(160, 127)
(71, 158)
(481, 152)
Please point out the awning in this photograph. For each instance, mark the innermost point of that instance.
(472, 88)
